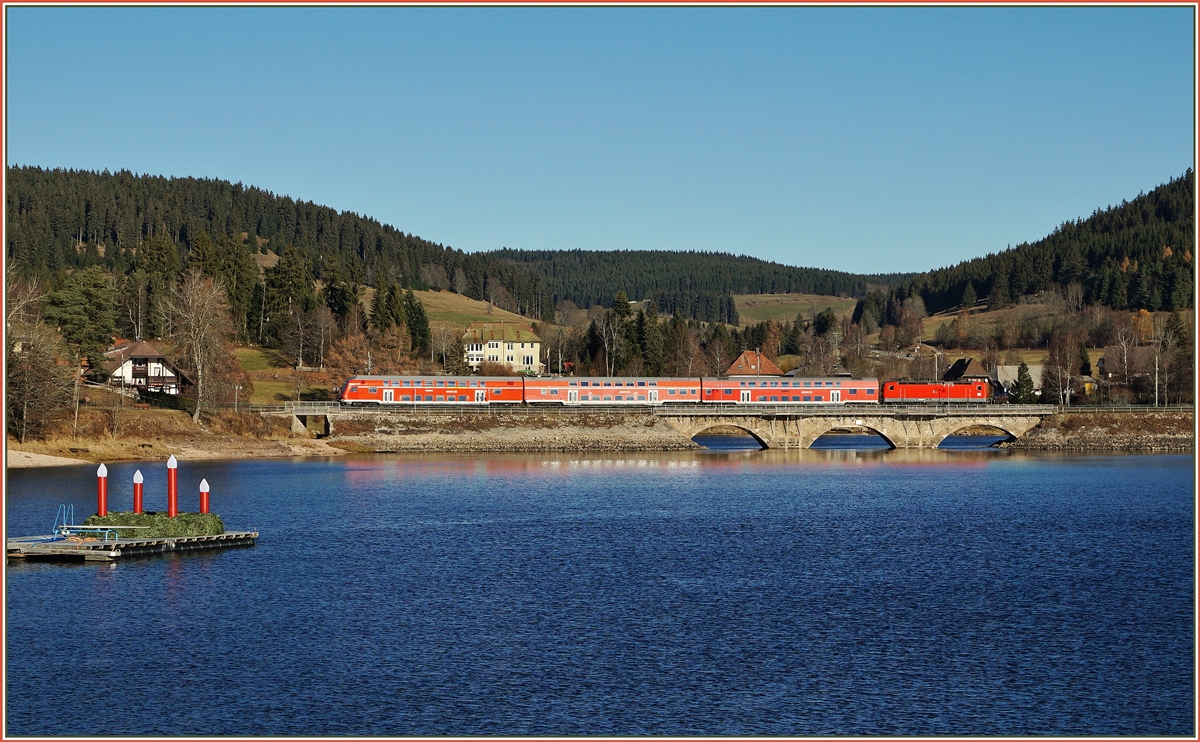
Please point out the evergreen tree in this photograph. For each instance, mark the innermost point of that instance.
(1022, 391)
(395, 306)
(651, 340)
(85, 311)
(968, 298)
(381, 318)
(418, 321)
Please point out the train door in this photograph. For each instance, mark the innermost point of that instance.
(572, 395)
(481, 395)
(653, 396)
(745, 395)
(389, 395)
(835, 396)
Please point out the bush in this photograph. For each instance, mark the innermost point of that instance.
(183, 524)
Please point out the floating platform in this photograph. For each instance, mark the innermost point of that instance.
(57, 548)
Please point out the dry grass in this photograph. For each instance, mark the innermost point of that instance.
(755, 308)
(447, 306)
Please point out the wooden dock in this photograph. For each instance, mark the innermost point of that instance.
(73, 549)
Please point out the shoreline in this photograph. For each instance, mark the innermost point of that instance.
(1148, 432)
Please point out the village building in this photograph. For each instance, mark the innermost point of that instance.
(1112, 365)
(138, 364)
(965, 369)
(753, 363)
(1004, 377)
(507, 343)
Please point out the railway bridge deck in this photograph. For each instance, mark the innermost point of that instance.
(774, 426)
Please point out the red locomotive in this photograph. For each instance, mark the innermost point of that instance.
(975, 390)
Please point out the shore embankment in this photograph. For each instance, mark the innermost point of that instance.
(507, 433)
(1111, 431)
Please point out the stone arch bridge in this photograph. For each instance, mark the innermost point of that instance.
(902, 426)
(909, 426)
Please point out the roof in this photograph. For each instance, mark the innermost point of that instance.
(505, 332)
(965, 368)
(753, 363)
(1006, 376)
(122, 352)
(1141, 359)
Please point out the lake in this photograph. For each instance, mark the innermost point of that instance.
(802, 593)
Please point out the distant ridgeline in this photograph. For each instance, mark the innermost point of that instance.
(1138, 255)
(60, 219)
(697, 285)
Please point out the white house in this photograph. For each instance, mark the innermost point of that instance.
(136, 363)
(507, 343)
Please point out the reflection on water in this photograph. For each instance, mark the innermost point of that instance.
(835, 592)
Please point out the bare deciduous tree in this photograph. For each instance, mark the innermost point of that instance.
(199, 315)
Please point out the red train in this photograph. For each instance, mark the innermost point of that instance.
(584, 391)
(976, 390)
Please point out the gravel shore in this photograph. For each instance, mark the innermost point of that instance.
(1137, 431)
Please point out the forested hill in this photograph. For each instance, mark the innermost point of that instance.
(1137, 255)
(678, 281)
(62, 219)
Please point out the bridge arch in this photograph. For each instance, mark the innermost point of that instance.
(819, 426)
(704, 429)
(952, 427)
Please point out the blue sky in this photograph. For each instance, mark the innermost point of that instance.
(861, 139)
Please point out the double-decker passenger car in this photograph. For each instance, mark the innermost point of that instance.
(780, 390)
(385, 390)
(610, 390)
(936, 391)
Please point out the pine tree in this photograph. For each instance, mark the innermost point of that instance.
(968, 298)
(418, 321)
(381, 318)
(1022, 391)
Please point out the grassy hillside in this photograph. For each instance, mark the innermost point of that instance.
(755, 308)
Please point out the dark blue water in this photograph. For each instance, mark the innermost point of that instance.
(804, 593)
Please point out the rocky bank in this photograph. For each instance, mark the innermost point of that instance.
(1123, 431)
(508, 433)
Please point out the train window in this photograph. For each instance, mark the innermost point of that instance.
(838, 383)
(728, 392)
(353, 389)
(428, 382)
(607, 397)
(654, 383)
(620, 397)
(870, 392)
(373, 390)
(795, 397)
(608, 383)
(978, 387)
(462, 398)
(854, 391)
(672, 391)
(774, 397)
(774, 383)
(573, 383)
(543, 392)
(495, 392)
(583, 383)
(743, 383)
(808, 383)
(807, 397)
(553, 392)
(405, 398)
(641, 383)
(441, 383)
(641, 397)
